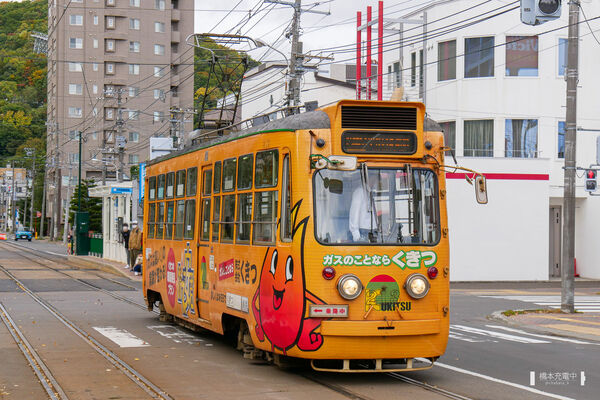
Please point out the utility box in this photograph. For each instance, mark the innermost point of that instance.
(82, 227)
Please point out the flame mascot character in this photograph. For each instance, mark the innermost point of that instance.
(282, 299)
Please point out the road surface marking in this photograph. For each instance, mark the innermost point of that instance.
(460, 336)
(498, 335)
(584, 304)
(560, 339)
(175, 334)
(121, 337)
(574, 328)
(503, 382)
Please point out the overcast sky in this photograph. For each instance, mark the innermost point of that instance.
(319, 31)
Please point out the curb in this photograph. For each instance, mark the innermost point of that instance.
(89, 264)
(498, 316)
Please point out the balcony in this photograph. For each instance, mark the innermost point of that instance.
(175, 15)
(175, 37)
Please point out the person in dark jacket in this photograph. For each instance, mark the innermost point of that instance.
(125, 233)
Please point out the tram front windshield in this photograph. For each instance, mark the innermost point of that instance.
(376, 206)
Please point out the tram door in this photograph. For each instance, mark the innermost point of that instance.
(205, 258)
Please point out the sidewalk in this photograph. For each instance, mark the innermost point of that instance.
(112, 267)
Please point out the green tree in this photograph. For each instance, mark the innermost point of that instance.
(92, 205)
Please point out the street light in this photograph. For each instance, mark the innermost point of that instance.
(260, 43)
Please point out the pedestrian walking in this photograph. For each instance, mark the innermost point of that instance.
(135, 242)
(125, 234)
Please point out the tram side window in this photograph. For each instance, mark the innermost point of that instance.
(160, 187)
(190, 218)
(206, 182)
(227, 218)
(245, 172)
(160, 218)
(217, 183)
(170, 184)
(265, 217)
(266, 168)
(169, 223)
(286, 200)
(180, 192)
(229, 171)
(244, 218)
(152, 188)
(205, 227)
(179, 216)
(151, 216)
(192, 177)
(215, 219)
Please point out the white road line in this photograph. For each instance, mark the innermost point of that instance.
(586, 304)
(460, 336)
(560, 339)
(175, 334)
(498, 335)
(503, 382)
(121, 337)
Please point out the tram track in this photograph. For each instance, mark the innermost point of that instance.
(136, 377)
(82, 281)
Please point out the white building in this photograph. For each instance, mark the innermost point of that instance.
(497, 87)
(264, 89)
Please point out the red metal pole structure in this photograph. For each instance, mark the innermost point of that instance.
(369, 11)
(358, 57)
(380, 53)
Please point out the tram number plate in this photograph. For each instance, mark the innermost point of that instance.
(404, 143)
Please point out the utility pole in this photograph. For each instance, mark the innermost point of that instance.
(43, 216)
(13, 210)
(120, 140)
(68, 207)
(57, 187)
(296, 66)
(31, 152)
(572, 75)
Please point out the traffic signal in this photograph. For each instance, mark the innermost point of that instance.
(591, 184)
(536, 12)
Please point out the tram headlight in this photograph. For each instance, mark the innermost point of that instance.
(417, 286)
(349, 286)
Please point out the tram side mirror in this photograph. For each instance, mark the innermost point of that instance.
(481, 189)
(334, 186)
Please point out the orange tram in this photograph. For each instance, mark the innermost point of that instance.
(321, 236)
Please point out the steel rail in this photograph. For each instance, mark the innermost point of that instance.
(47, 380)
(428, 387)
(90, 285)
(154, 391)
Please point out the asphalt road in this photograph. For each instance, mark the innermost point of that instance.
(484, 359)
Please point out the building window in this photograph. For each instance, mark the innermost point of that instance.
(110, 22)
(479, 57)
(159, 4)
(75, 67)
(134, 23)
(134, 47)
(75, 88)
(134, 91)
(73, 159)
(95, 20)
(158, 116)
(95, 89)
(159, 94)
(562, 130)
(75, 43)
(76, 20)
(94, 66)
(449, 129)
(134, 69)
(159, 27)
(174, 91)
(110, 45)
(562, 56)
(520, 137)
(521, 56)
(159, 50)
(174, 48)
(95, 43)
(175, 26)
(134, 159)
(109, 113)
(133, 115)
(110, 68)
(94, 137)
(159, 71)
(447, 60)
(134, 137)
(413, 69)
(75, 112)
(134, 3)
(174, 4)
(110, 3)
(74, 134)
(479, 138)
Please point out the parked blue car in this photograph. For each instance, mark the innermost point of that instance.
(23, 234)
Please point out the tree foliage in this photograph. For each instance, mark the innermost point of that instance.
(92, 205)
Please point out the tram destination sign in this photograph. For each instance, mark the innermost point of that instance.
(369, 142)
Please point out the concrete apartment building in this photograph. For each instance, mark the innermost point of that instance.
(105, 56)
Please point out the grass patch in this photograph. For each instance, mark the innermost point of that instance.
(510, 313)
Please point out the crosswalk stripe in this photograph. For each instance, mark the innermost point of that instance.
(499, 335)
(586, 304)
(560, 339)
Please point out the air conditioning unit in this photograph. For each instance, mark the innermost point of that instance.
(536, 12)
